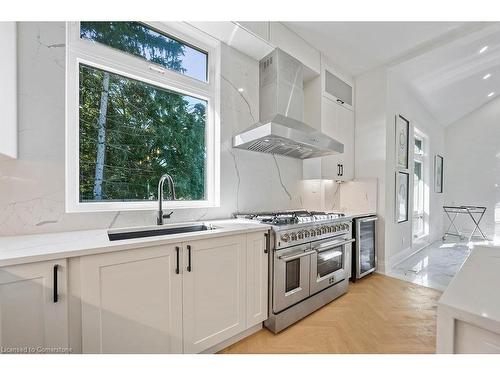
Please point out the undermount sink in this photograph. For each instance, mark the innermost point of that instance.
(160, 231)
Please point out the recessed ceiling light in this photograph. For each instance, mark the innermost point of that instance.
(483, 49)
(487, 76)
(241, 89)
(491, 94)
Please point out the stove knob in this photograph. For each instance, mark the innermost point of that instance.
(300, 235)
(293, 236)
(338, 228)
(323, 230)
(313, 232)
(285, 237)
(318, 231)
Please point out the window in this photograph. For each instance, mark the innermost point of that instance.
(142, 101)
(142, 41)
(419, 185)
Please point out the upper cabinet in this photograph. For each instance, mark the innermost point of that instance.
(336, 85)
(329, 107)
(258, 39)
(8, 92)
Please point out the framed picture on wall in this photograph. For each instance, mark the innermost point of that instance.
(402, 193)
(402, 141)
(438, 174)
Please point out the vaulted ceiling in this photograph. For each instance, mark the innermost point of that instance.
(440, 61)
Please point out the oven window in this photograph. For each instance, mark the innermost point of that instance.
(330, 261)
(292, 275)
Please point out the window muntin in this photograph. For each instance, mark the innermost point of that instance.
(145, 131)
(142, 41)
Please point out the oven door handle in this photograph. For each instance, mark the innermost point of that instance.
(286, 258)
(328, 245)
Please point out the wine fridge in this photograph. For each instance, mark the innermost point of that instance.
(364, 254)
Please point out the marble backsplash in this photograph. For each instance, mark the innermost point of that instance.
(32, 187)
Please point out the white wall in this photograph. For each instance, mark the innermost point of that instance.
(380, 96)
(8, 89)
(399, 241)
(32, 187)
(472, 165)
(370, 142)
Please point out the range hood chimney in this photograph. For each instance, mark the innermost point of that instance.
(281, 129)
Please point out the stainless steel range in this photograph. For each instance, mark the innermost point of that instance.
(309, 265)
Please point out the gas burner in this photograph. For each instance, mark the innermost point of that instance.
(292, 217)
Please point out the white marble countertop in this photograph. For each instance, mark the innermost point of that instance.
(40, 247)
(355, 215)
(473, 292)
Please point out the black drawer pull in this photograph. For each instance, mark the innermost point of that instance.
(177, 259)
(56, 294)
(268, 242)
(189, 258)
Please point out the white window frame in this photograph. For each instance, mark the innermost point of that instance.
(110, 59)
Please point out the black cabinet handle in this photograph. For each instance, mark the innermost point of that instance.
(341, 169)
(56, 295)
(338, 170)
(340, 101)
(189, 258)
(268, 242)
(177, 259)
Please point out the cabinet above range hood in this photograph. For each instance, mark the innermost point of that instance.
(281, 129)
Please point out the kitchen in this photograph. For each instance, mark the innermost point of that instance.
(258, 202)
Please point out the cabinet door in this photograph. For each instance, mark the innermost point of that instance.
(257, 278)
(132, 301)
(338, 122)
(347, 136)
(30, 316)
(214, 298)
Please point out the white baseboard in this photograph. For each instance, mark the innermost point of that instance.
(232, 340)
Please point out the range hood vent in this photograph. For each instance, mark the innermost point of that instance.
(281, 129)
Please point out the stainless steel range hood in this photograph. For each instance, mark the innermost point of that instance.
(281, 129)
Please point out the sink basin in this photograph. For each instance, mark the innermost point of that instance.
(160, 231)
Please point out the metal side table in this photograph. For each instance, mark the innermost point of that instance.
(474, 212)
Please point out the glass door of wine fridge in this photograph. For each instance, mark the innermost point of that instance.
(366, 244)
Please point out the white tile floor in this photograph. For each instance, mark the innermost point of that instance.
(433, 266)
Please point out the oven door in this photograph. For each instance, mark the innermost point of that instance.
(329, 262)
(291, 276)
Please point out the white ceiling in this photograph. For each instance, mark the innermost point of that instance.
(439, 61)
(449, 80)
(358, 47)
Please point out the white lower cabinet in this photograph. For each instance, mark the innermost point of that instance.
(132, 301)
(34, 307)
(257, 278)
(214, 291)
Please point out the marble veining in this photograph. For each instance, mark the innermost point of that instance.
(435, 266)
(32, 187)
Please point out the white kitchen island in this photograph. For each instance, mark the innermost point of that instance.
(469, 309)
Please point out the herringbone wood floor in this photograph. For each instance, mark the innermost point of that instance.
(379, 314)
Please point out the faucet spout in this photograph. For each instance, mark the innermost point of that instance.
(170, 182)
